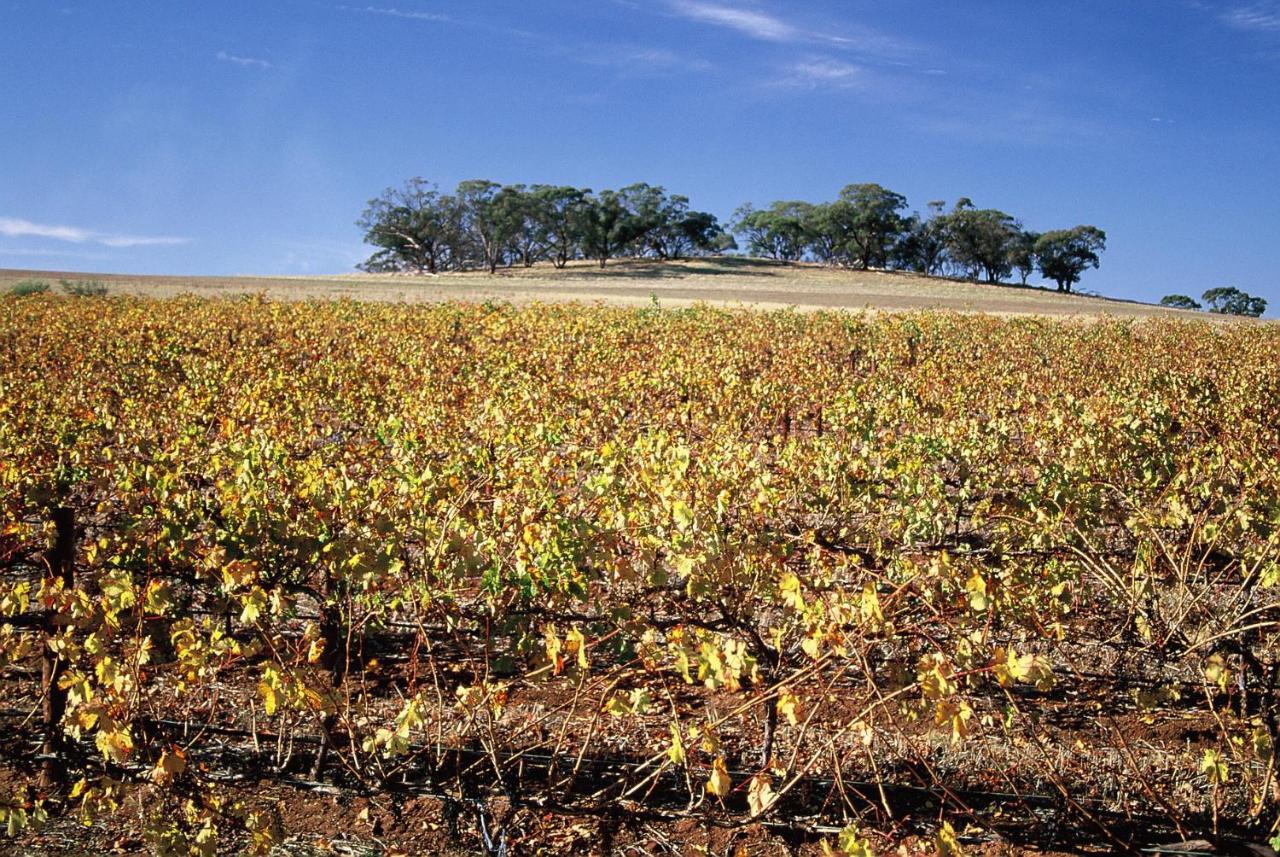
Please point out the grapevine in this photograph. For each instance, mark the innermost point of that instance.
(860, 575)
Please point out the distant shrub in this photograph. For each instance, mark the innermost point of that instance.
(29, 287)
(83, 288)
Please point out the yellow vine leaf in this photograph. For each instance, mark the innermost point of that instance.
(553, 647)
(956, 716)
(790, 588)
(171, 764)
(946, 843)
(576, 644)
(788, 706)
(849, 844)
(682, 514)
(760, 794)
(1217, 672)
(869, 608)
(1213, 766)
(718, 784)
(114, 743)
(977, 588)
(676, 751)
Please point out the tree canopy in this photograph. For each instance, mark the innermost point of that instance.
(867, 227)
(483, 224)
(1229, 300)
(1180, 302)
(1064, 254)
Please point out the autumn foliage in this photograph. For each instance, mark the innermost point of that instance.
(830, 570)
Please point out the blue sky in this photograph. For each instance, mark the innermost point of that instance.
(244, 136)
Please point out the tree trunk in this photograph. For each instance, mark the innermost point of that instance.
(61, 563)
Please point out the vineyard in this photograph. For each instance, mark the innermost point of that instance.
(567, 580)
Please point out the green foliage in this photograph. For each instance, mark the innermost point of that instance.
(1022, 254)
(923, 244)
(25, 288)
(869, 216)
(83, 288)
(980, 240)
(1231, 301)
(866, 228)
(781, 232)
(415, 228)
(484, 225)
(1064, 254)
(1180, 302)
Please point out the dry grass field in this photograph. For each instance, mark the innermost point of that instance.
(722, 281)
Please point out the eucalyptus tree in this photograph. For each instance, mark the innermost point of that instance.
(1064, 254)
(979, 239)
(515, 207)
(1229, 300)
(487, 218)
(557, 212)
(605, 226)
(871, 223)
(414, 227)
(697, 232)
(922, 246)
(1022, 253)
(780, 231)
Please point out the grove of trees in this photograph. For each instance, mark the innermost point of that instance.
(485, 225)
(1224, 300)
(867, 227)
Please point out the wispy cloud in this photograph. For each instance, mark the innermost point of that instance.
(243, 62)
(393, 12)
(1038, 126)
(824, 72)
(1256, 17)
(26, 252)
(17, 228)
(641, 61)
(754, 23)
(749, 22)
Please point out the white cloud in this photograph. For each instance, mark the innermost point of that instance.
(757, 25)
(243, 62)
(26, 252)
(826, 71)
(763, 26)
(393, 12)
(642, 61)
(1258, 17)
(13, 227)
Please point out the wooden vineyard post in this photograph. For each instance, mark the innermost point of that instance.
(61, 564)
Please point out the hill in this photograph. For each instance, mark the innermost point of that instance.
(724, 281)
